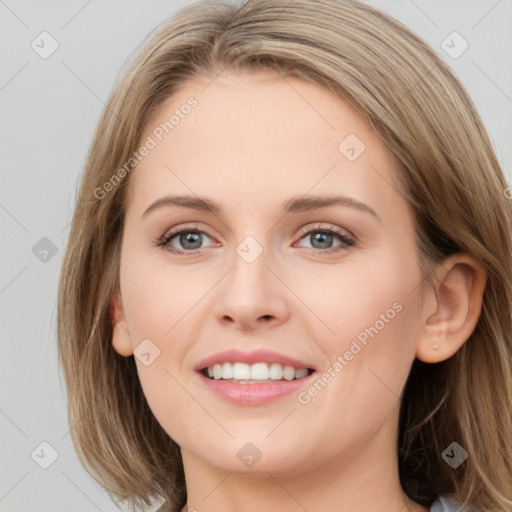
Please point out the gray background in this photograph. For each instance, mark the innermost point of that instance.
(50, 108)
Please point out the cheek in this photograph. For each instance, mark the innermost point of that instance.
(157, 303)
(369, 359)
(158, 295)
(161, 303)
(370, 310)
(351, 299)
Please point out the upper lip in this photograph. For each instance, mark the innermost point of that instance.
(255, 356)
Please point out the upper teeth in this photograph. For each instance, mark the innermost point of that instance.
(258, 371)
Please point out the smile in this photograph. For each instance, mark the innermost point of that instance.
(253, 378)
(243, 373)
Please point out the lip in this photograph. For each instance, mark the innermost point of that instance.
(253, 357)
(253, 394)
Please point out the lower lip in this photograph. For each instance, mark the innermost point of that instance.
(254, 394)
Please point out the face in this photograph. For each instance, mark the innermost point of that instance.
(275, 279)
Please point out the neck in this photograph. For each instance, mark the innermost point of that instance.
(364, 479)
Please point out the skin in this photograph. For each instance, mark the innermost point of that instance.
(254, 141)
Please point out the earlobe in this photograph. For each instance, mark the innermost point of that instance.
(121, 340)
(457, 302)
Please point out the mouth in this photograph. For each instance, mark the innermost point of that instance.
(253, 378)
(259, 373)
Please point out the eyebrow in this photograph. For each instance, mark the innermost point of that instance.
(293, 205)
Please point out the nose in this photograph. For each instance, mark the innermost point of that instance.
(252, 296)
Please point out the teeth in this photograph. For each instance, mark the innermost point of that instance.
(260, 371)
(255, 372)
(289, 372)
(303, 372)
(227, 371)
(217, 371)
(276, 371)
(241, 371)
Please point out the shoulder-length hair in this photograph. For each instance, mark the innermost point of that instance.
(449, 174)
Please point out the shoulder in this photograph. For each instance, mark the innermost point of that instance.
(446, 504)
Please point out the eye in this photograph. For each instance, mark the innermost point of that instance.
(189, 237)
(322, 238)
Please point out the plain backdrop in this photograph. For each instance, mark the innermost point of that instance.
(49, 110)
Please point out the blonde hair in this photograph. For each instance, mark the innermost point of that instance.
(448, 173)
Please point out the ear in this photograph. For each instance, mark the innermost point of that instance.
(452, 308)
(121, 339)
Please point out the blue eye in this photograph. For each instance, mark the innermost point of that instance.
(323, 238)
(190, 238)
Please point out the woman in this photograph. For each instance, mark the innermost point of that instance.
(338, 336)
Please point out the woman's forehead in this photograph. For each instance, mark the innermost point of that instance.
(261, 135)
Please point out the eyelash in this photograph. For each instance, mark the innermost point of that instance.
(164, 240)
